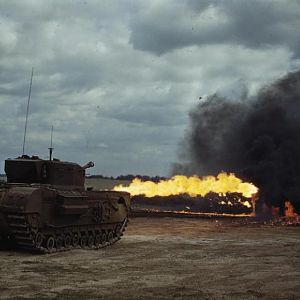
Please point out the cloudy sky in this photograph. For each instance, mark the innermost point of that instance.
(117, 79)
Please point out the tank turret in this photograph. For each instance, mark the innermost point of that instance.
(27, 169)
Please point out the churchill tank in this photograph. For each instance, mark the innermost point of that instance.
(45, 207)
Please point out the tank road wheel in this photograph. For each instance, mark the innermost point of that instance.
(50, 243)
(91, 241)
(110, 236)
(83, 241)
(59, 242)
(67, 241)
(103, 238)
(75, 240)
(38, 240)
(97, 239)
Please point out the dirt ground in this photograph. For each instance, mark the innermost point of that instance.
(165, 258)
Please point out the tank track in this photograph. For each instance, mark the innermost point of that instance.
(29, 237)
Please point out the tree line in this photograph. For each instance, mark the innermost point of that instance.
(129, 177)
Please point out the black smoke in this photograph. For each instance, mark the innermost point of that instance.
(258, 138)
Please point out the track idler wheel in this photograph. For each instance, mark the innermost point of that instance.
(50, 243)
(91, 241)
(97, 240)
(103, 238)
(59, 242)
(75, 240)
(67, 241)
(110, 236)
(38, 240)
(83, 241)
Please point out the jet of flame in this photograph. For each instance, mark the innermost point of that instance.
(193, 186)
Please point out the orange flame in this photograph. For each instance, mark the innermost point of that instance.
(193, 186)
(289, 209)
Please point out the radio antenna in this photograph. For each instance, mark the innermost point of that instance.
(51, 148)
(27, 111)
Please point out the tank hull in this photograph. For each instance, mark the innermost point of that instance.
(48, 219)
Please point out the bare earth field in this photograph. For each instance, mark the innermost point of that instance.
(165, 258)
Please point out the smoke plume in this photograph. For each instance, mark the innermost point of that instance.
(257, 138)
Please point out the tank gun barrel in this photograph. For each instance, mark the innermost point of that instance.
(90, 164)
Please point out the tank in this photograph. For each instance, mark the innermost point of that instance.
(45, 207)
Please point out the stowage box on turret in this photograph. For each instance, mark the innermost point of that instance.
(45, 207)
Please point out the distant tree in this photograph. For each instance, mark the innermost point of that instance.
(129, 177)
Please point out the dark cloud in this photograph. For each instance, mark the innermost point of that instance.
(254, 24)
